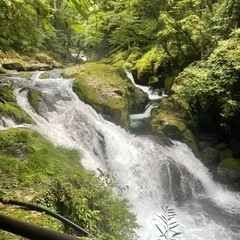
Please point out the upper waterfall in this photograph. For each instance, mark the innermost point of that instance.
(155, 175)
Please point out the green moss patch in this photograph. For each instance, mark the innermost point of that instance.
(9, 107)
(33, 98)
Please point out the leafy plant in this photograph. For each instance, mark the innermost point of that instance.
(167, 224)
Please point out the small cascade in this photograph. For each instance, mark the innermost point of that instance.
(155, 175)
(140, 121)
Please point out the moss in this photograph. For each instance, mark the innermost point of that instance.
(15, 112)
(171, 125)
(107, 89)
(9, 107)
(230, 167)
(227, 153)
(149, 64)
(209, 155)
(230, 163)
(44, 75)
(71, 72)
(26, 75)
(152, 80)
(33, 98)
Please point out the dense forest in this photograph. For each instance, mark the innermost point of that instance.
(188, 49)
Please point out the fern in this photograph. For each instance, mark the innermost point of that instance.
(167, 224)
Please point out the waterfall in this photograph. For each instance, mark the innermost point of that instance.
(155, 175)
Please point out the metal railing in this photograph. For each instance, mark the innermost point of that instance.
(35, 232)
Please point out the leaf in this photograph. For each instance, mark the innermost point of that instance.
(78, 28)
(80, 10)
(46, 24)
(176, 234)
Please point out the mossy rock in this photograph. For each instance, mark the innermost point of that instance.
(9, 107)
(203, 144)
(26, 75)
(44, 58)
(44, 75)
(71, 72)
(229, 168)
(14, 65)
(107, 89)
(3, 70)
(171, 125)
(172, 105)
(189, 139)
(37, 67)
(144, 70)
(228, 153)
(152, 80)
(34, 97)
(221, 147)
(139, 101)
(209, 155)
(12, 54)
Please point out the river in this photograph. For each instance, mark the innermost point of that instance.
(154, 175)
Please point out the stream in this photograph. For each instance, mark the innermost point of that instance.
(155, 175)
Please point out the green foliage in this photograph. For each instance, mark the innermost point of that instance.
(15, 19)
(30, 167)
(211, 87)
(167, 224)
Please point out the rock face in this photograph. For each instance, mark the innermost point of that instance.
(108, 90)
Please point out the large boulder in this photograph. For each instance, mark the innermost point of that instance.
(139, 101)
(228, 171)
(38, 67)
(168, 119)
(14, 65)
(44, 58)
(210, 155)
(107, 89)
(171, 125)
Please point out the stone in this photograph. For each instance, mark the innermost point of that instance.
(140, 100)
(209, 155)
(107, 89)
(228, 153)
(221, 147)
(38, 67)
(44, 58)
(13, 65)
(44, 75)
(171, 125)
(229, 168)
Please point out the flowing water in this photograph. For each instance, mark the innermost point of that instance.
(155, 175)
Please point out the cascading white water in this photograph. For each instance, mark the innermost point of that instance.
(156, 175)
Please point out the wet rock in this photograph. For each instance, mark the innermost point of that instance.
(228, 153)
(44, 58)
(209, 155)
(13, 65)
